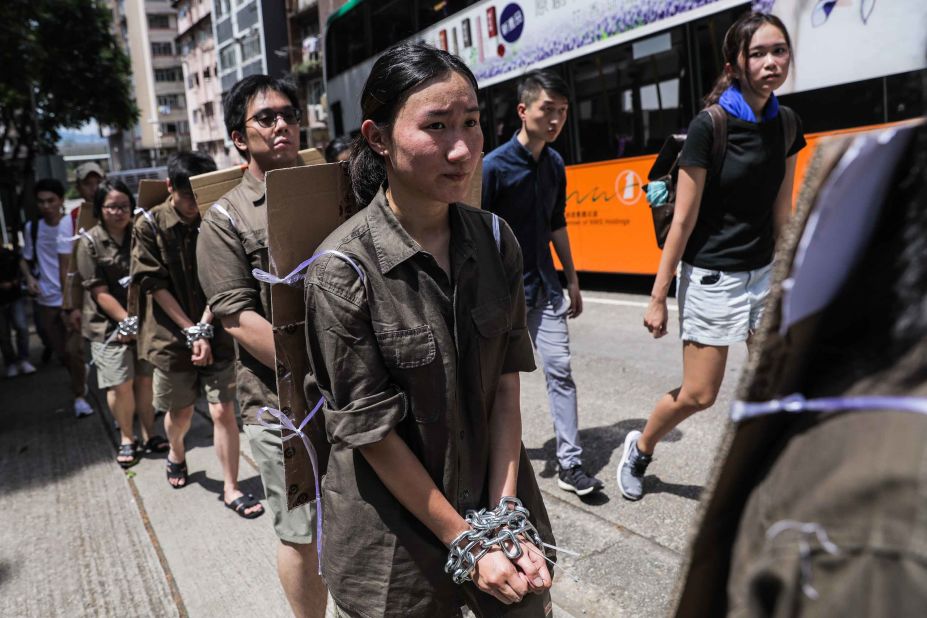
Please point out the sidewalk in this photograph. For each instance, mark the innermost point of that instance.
(82, 537)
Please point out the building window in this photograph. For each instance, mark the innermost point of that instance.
(159, 21)
(208, 109)
(168, 128)
(228, 56)
(169, 102)
(172, 74)
(162, 48)
(207, 73)
(251, 46)
(222, 8)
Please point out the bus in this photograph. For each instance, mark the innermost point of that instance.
(638, 70)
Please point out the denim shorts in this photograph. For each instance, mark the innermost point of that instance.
(720, 308)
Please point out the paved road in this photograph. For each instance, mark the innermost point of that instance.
(82, 538)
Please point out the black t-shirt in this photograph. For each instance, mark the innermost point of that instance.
(9, 275)
(734, 229)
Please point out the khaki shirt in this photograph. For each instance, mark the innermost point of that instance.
(102, 261)
(408, 349)
(164, 257)
(227, 251)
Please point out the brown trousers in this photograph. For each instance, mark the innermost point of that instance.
(68, 346)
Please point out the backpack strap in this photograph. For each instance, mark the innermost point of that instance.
(789, 126)
(34, 235)
(719, 137)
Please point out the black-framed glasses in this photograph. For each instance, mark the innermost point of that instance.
(267, 118)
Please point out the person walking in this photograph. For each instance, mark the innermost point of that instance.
(262, 118)
(724, 229)
(47, 249)
(186, 356)
(103, 261)
(418, 361)
(524, 182)
(13, 315)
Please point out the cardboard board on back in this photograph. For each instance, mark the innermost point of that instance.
(304, 206)
(150, 194)
(207, 188)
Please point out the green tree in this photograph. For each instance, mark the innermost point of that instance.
(60, 66)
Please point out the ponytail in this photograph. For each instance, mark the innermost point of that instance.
(367, 171)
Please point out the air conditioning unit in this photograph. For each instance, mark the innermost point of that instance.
(317, 117)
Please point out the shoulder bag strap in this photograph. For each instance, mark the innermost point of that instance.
(719, 137)
(789, 126)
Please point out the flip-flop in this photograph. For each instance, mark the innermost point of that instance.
(157, 444)
(243, 502)
(127, 450)
(177, 471)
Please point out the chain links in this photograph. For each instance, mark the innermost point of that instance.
(505, 526)
(128, 327)
(198, 331)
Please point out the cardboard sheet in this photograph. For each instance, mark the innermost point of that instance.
(150, 194)
(207, 188)
(304, 205)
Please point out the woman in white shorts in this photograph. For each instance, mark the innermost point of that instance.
(724, 228)
(103, 258)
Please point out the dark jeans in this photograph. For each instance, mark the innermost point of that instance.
(13, 315)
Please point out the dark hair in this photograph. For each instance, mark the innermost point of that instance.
(49, 184)
(392, 79)
(107, 187)
(235, 102)
(181, 166)
(533, 82)
(737, 44)
(336, 147)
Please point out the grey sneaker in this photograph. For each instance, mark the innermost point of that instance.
(632, 467)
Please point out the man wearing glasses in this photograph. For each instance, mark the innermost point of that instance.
(262, 119)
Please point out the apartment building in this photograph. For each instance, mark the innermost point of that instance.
(148, 29)
(199, 62)
(251, 37)
(306, 53)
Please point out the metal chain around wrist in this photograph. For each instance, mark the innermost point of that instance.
(128, 327)
(198, 331)
(506, 526)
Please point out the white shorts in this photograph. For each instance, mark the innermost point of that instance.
(720, 308)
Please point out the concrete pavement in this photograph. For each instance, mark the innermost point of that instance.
(83, 538)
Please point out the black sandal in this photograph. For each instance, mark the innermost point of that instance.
(177, 471)
(157, 444)
(127, 450)
(243, 502)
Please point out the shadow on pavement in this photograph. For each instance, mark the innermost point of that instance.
(653, 485)
(599, 445)
(250, 485)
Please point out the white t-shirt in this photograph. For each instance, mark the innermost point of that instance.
(51, 242)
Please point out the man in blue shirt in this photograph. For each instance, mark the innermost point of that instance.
(524, 182)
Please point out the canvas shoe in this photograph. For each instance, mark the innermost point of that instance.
(26, 368)
(576, 480)
(12, 370)
(632, 467)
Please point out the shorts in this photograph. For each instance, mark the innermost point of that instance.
(174, 390)
(298, 525)
(117, 363)
(720, 308)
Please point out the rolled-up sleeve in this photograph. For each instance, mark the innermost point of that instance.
(88, 268)
(224, 269)
(148, 271)
(362, 403)
(519, 356)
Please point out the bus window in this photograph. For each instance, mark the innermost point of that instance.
(707, 37)
(905, 95)
(348, 41)
(392, 23)
(838, 107)
(604, 131)
(504, 112)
